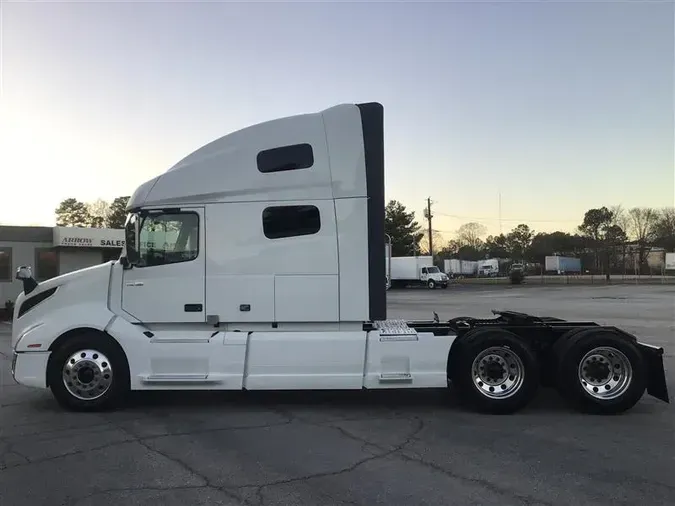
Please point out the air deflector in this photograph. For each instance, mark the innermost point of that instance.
(372, 123)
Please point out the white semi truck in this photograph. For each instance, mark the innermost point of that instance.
(417, 270)
(488, 268)
(257, 263)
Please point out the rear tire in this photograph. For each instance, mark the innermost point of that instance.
(88, 372)
(496, 372)
(602, 373)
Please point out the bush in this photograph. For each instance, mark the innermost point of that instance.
(516, 277)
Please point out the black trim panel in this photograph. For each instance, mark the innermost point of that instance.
(372, 123)
(33, 301)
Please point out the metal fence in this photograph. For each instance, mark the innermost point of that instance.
(578, 279)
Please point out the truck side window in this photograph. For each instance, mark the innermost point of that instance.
(290, 221)
(294, 157)
(168, 238)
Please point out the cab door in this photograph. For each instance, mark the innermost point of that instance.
(424, 275)
(167, 285)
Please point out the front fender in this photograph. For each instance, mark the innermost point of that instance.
(40, 333)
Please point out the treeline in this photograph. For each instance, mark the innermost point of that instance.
(607, 240)
(98, 214)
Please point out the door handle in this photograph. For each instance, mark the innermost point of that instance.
(135, 283)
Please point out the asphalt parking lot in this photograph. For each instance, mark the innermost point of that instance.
(411, 448)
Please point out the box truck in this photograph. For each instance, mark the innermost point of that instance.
(275, 280)
(416, 270)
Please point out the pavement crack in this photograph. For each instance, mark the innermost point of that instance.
(133, 438)
(383, 454)
(185, 466)
(75, 501)
(503, 491)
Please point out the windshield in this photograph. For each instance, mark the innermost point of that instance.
(432, 270)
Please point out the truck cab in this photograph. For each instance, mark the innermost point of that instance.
(433, 277)
(256, 262)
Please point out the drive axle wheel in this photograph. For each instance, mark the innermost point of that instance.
(496, 371)
(601, 372)
(88, 373)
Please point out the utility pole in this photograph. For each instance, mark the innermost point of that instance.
(500, 212)
(429, 216)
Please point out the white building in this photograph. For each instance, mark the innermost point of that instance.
(52, 251)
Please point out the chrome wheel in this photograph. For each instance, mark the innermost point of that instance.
(605, 373)
(87, 374)
(498, 372)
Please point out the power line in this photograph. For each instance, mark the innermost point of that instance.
(521, 220)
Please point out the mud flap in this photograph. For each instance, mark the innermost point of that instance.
(656, 386)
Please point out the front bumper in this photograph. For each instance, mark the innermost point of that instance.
(30, 368)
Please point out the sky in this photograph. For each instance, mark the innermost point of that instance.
(556, 107)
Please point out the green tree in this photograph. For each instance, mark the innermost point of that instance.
(404, 231)
(615, 237)
(664, 229)
(117, 213)
(555, 243)
(468, 252)
(518, 241)
(496, 246)
(595, 225)
(72, 213)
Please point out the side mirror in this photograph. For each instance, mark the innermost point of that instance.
(25, 274)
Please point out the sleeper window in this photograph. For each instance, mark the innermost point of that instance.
(290, 221)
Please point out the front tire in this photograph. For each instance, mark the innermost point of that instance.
(602, 373)
(88, 373)
(496, 372)
(431, 284)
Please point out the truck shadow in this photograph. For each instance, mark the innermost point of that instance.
(356, 401)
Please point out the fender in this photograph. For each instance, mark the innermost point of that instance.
(40, 334)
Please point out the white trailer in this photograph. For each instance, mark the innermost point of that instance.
(456, 267)
(562, 265)
(417, 270)
(670, 262)
(267, 272)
